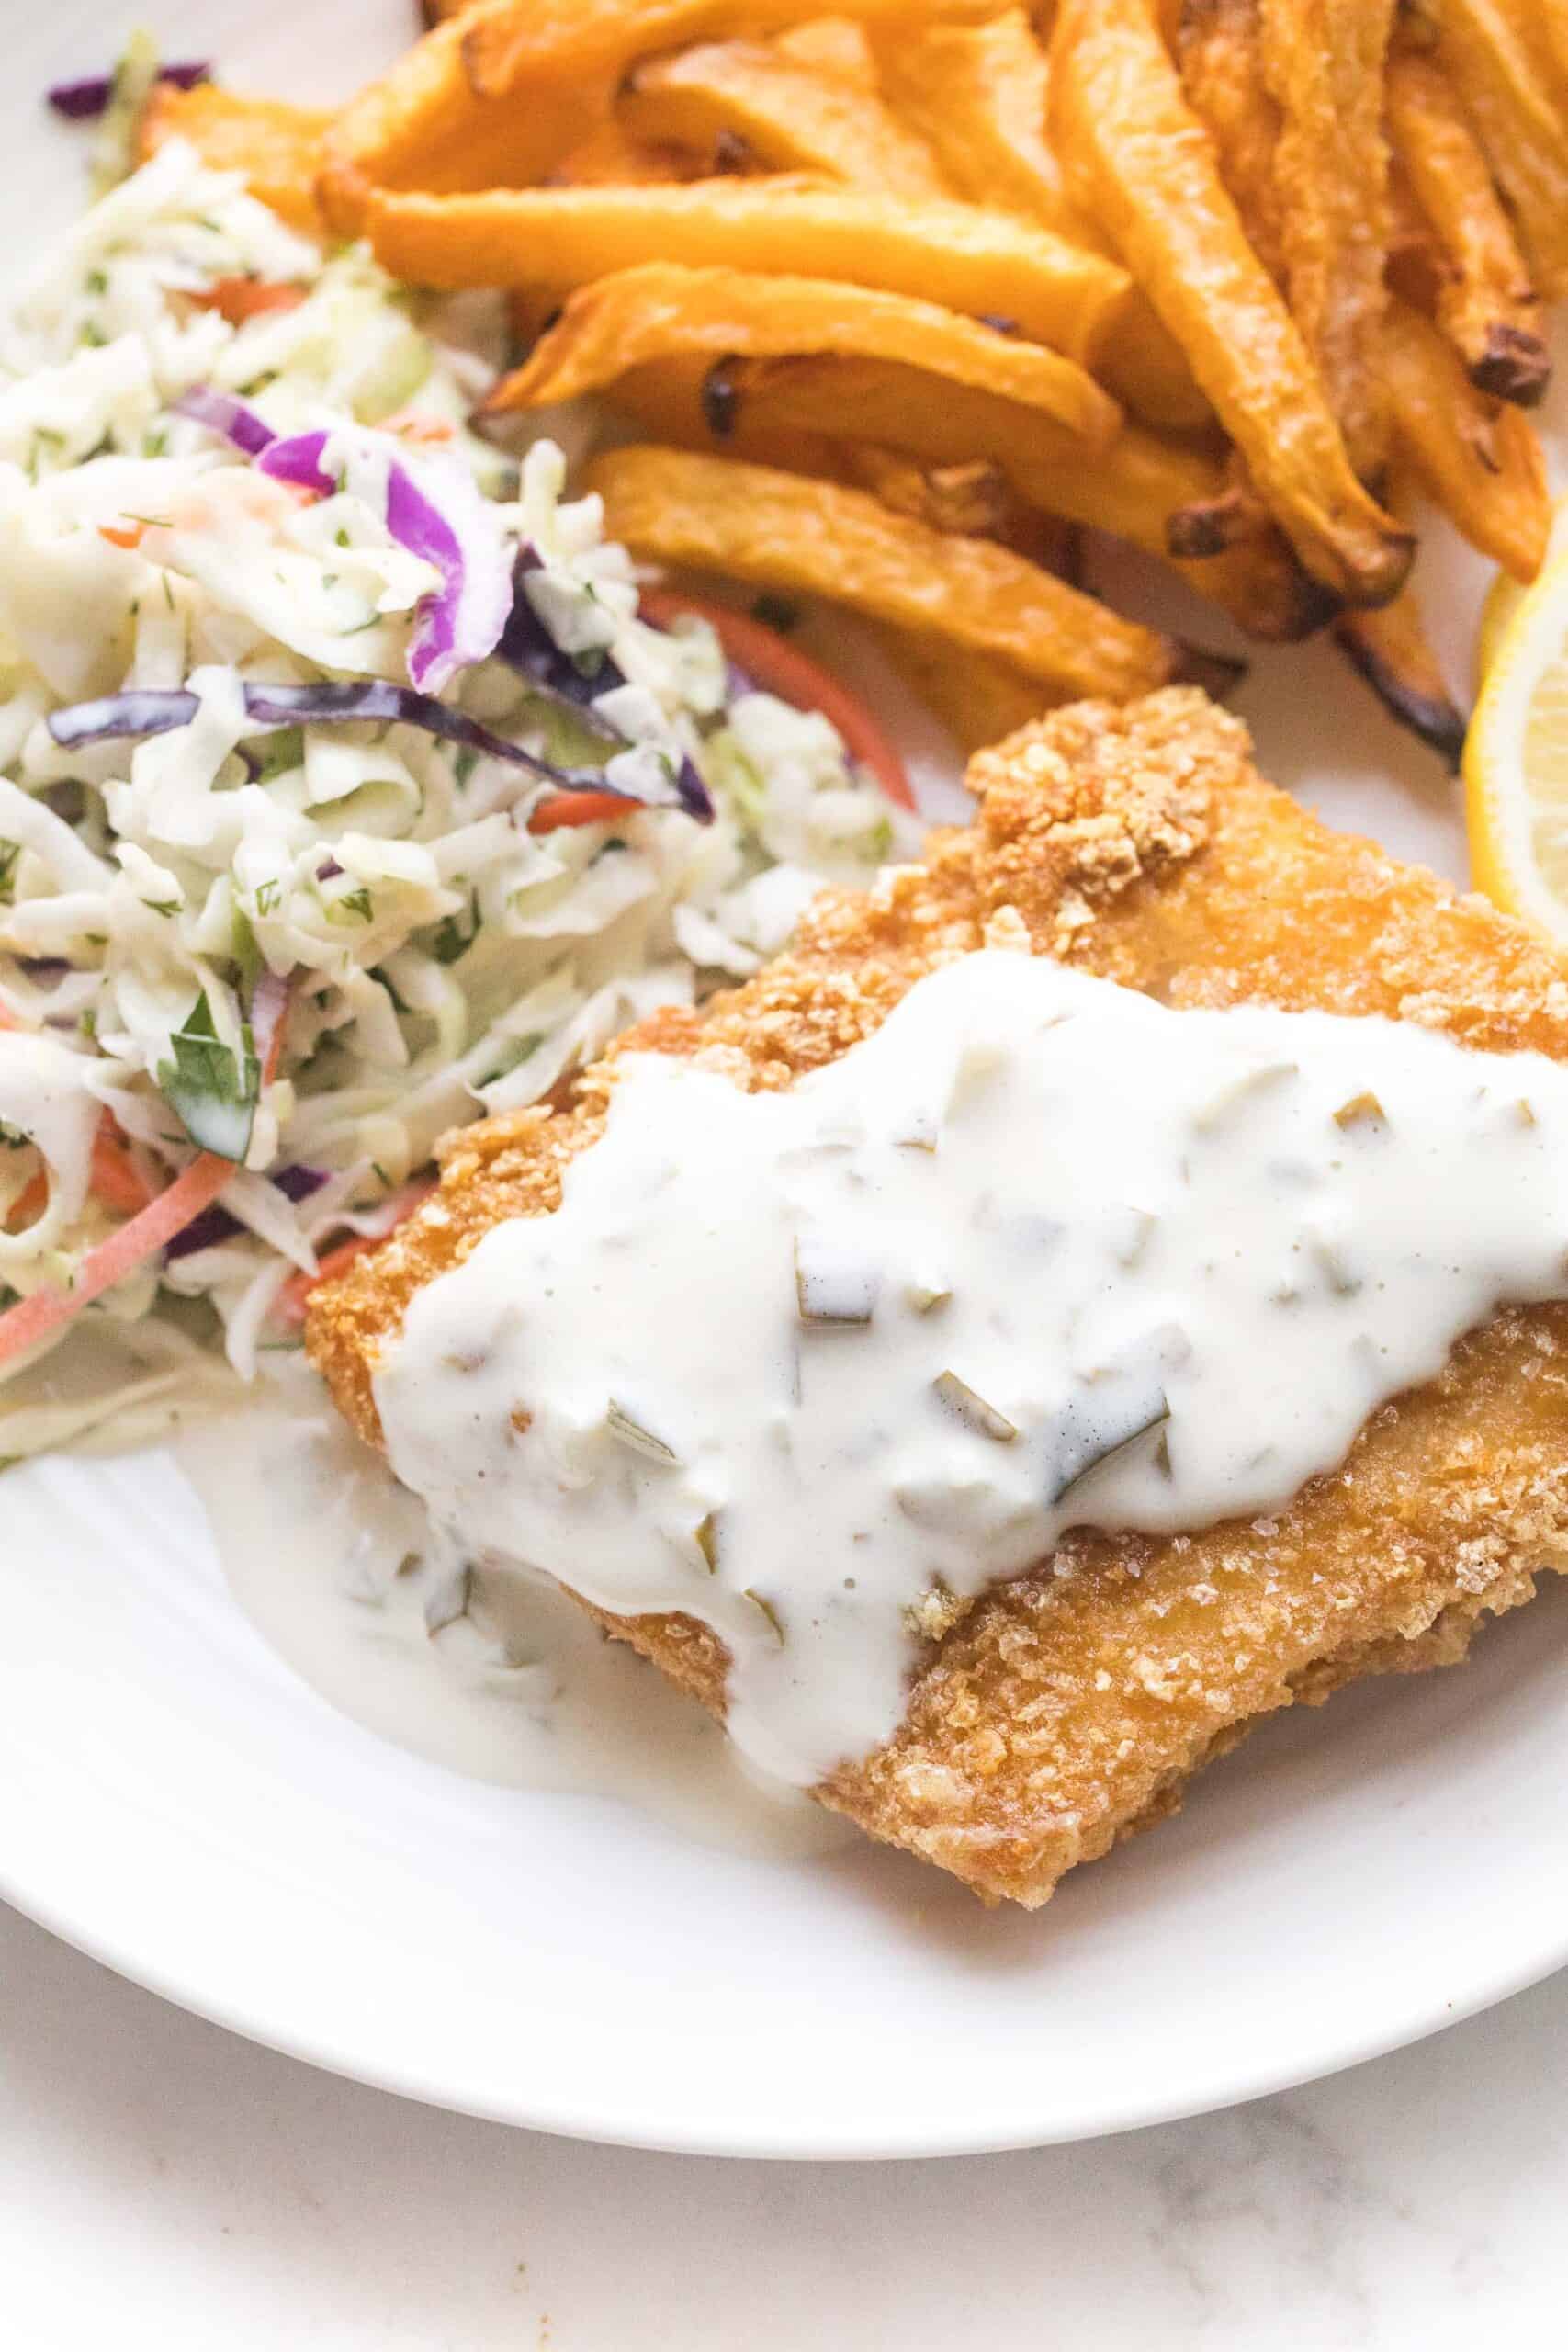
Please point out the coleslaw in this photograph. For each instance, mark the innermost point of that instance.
(344, 796)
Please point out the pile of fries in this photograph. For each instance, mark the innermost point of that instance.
(908, 295)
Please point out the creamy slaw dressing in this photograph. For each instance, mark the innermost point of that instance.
(818, 1367)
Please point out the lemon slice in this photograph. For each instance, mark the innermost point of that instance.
(1503, 601)
(1515, 761)
(1505, 595)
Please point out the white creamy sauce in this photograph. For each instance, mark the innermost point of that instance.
(1040, 1253)
(484, 1669)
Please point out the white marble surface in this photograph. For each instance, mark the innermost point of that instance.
(166, 2188)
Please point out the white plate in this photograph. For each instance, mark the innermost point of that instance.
(178, 1804)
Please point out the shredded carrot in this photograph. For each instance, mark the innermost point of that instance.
(795, 678)
(122, 536)
(579, 808)
(239, 299)
(419, 424)
(117, 1180)
(294, 1295)
(139, 1238)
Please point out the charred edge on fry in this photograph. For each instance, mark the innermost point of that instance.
(1515, 366)
(1437, 720)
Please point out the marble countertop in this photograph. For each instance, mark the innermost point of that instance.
(164, 2186)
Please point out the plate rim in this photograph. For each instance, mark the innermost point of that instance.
(595, 2124)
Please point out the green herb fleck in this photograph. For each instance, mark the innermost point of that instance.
(453, 937)
(356, 905)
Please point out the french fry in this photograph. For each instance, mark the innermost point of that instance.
(979, 700)
(1480, 460)
(972, 498)
(674, 400)
(663, 311)
(775, 530)
(1485, 303)
(1552, 20)
(510, 44)
(950, 254)
(788, 118)
(276, 147)
(976, 95)
(887, 400)
(1392, 652)
(1220, 57)
(1323, 62)
(1486, 47)
(835, 46)
(423, 126)
(611, 157)
(1132, 489)
(1137, 156)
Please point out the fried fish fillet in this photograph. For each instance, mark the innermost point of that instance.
(1069, 1707)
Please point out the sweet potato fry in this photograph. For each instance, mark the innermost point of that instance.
(1131, 489)
(979, 700)
(978, 96)
(423, 126)
(611, 157)
(976, 93)
(1480, 460)
(672, 399)
(1392, 652)
(276, 147)
(973, 498)
(1137, 156)
(662, 311)
(787, 117)
(836, 46)
(1485, 303)
(1222, 71)
(1487, 48)
(947, 252)
(888, 400)
(1323, 62)
(509, 44)
(775, 530)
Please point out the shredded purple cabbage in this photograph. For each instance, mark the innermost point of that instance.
(526, 646)
(221, 412)
(216, 1224)
(146, 711)
(85, 99)
(453, 530)
(294, 458)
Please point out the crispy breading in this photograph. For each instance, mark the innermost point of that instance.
(1068, 1707)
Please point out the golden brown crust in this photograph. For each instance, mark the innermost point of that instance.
(1067, 1708)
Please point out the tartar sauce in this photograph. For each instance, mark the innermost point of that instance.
(818, 1367)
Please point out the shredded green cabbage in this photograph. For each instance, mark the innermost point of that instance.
(441, 961)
